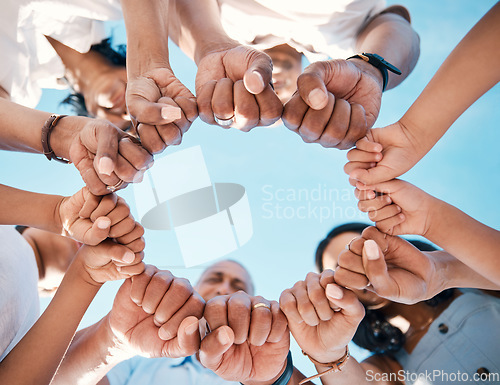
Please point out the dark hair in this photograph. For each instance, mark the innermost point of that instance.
(356, 227)
(117, 57)
(375, 333)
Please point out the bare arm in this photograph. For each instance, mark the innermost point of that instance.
(45, 344)
(391, 36)
(196, 28)
(19, 207)
(468, 72)
(470, 242)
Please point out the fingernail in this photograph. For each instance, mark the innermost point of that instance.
(317, 97)
(103, 223)
(139, 176)
(163, 334)
(334, 291)
(223, 337)
(128, 257)
(105, 165)
(193, 328)
(171, 113)
(371, 249)
(259, 78)
(118, 268)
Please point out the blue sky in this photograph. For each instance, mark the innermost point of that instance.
(289, 182)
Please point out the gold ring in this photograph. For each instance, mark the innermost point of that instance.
(115, 186)
(261, 304)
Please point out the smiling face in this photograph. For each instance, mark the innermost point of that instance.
(225, 277)
(287, 66)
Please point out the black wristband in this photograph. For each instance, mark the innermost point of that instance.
(380, 63)
(287, 374)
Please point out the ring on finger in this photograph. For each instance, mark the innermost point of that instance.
(115, 186)
(224, 122)
(261, 304)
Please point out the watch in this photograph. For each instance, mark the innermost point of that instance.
(380, 63)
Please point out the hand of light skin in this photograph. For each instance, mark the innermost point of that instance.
(401, 209)
(109, 261)
(102, 153)
(156, 315)
(245, 345)
(384, 154)
(236, 82)
(161, 107)
(337, 101)
(322, 316)
(90, 219)
(393, 267)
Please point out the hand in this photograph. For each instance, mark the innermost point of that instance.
(394, 268)
(103, 154)
(91, 219)
(109, 261)
(385, 154)
(403, 209)
(245, 345)
(336, 102)
(322, 316)
(161, 107)
(156, 315)
(235, 84)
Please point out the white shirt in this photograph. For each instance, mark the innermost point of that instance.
(320, 29)
(19, 303)
(28, 60)
(163, 371)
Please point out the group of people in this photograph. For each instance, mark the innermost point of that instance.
(418, 309)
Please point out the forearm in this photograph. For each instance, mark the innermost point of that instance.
(453, 273)
(19, 207)
(196, 28)
(471, 242)
(392, 37)
(91, 355)
(468, 72)
(43, 347)
(147, 35)
(21, 129)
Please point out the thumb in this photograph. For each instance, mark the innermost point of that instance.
(375, 266)
(372, 176)
(98, 232)
(107, 251)
(259, 73)
(107, 147)
(152, 113)
(187, 342)
(214, 345)
(311, 85)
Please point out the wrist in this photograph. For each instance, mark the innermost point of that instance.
(205, 48)
(114, 348)
(370, 70)
(283, 376)
(63, 134)
(330, 356)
